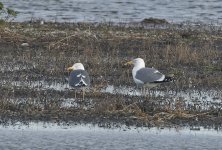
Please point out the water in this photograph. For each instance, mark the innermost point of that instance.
(117, 11)
(206, 99)
(52, 136)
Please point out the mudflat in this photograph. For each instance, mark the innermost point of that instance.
(34, 58)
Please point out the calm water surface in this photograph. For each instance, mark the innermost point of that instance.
(51, 136)
(114, 10)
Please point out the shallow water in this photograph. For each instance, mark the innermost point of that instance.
(117, 11)
(205, 99)
(52, 136)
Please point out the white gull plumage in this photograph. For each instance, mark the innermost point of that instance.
(147, 77)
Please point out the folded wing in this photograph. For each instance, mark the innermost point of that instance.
(149, 75)
(79, 78)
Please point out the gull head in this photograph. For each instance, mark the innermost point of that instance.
(137, 62)
(76, 66)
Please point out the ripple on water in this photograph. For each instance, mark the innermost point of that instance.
(97, 11)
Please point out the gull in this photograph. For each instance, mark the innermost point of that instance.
(147, 77)
(79, 77)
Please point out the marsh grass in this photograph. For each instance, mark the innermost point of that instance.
(193, 54)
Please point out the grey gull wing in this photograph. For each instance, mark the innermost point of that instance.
(79, 78)
(148, 75)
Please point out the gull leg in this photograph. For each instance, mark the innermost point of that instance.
(152, 92)
(155, 92)
(144, 91)
(83, 93)
(134, 91)
(75, 94)
(148, 92)
(137, 88)
(141, 91)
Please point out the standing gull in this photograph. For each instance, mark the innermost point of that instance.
(79, 77)
(146, 77)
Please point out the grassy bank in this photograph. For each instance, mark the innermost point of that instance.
(32, 52)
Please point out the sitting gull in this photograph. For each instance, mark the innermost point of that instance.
(79, 77)
(147, 77)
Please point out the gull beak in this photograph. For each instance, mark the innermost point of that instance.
(70, 69)
(128, 63)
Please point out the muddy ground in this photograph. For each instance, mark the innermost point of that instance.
(32, 55)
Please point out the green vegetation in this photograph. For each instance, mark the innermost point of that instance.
(6, 14)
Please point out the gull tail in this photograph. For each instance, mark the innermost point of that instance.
(166, 79)
(81, 82)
